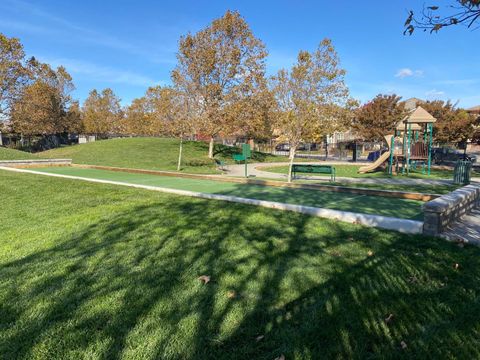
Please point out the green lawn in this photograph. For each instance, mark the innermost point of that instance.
(92, 271)
(151, 153)
(401, 208)
(11, 154)
(352, 171)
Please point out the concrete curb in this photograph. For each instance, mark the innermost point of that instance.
(384, 222)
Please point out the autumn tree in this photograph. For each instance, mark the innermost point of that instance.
(434, 17)
(74, 118)
(149, 114)
(252, 115)
(378, 117)
(43, 106)
(453, 124)
(102, 113)
(182, 118)
(138, 118)
(214, 68)
(309, 96)
(14, 74)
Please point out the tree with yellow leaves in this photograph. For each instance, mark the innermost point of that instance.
(311, 97)
(216, 66)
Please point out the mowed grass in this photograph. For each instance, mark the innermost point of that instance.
(151, 153)
(393, 207)
(104, 272)
(352, 172)
(11, 154)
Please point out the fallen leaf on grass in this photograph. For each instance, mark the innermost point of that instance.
(370, 253)
(204, 278)
(403, 344)
(412, 279)
(231, 294)
(281, 357)
(259, 337)
(389, 319)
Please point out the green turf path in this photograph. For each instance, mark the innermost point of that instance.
(400, 208)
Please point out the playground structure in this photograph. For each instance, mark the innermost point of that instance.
(410, 146)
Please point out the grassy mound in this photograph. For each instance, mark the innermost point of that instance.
(98, 271)
(11, 154)
(149, 153)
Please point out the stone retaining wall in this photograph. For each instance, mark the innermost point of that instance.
(31, 163)
(441, 212)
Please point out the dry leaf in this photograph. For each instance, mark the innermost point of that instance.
(204, 278)
(259, 337)
(403, 344)
(389, 318)
(412, 279)
(231, 294)
(281, 357)
(370, 253)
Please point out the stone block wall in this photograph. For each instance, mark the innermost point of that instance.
(35, 163)
(441, 212)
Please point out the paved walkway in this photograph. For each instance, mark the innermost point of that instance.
(466, 229)
(253, 170)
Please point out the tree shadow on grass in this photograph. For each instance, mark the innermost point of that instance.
(126, 286)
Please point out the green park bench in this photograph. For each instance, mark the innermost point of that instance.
(314, 169)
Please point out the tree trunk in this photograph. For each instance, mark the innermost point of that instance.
(292, 156)
(210, 149)
(179, 165)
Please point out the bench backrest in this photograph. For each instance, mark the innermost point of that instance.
(324, 169)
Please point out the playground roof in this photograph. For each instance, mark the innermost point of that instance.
(401, 126)
(419, 116)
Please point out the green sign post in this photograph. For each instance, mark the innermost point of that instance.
(246, 152)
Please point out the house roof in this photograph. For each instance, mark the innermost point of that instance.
(412, 103)
(474, 109)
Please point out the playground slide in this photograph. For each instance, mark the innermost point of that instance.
(376, 164)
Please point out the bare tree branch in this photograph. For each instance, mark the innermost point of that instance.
(434, 18)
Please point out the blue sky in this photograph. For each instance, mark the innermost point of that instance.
(130, 45)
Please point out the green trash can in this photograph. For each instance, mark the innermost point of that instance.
(461, 173)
